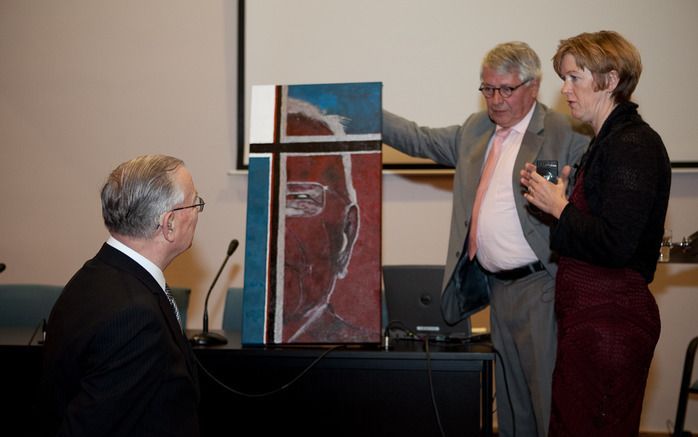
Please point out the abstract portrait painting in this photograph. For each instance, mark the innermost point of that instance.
(312, 261)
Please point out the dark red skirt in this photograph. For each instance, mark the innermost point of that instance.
(608, 327)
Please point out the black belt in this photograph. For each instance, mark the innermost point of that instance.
(517, 273)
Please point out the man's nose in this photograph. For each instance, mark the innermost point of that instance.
(497, 98)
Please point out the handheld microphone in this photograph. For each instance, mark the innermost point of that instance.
(2, 267)
(206, 338)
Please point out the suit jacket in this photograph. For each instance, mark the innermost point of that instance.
(549, 136)
(116, 361)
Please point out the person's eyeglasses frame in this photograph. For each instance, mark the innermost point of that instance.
(504, 91)
(200, 205)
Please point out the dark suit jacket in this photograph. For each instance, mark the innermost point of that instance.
(115, 359)
(549, 136)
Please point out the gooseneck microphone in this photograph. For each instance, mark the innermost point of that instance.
(206, 338)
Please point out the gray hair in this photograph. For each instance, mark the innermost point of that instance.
(138, 192)
(513, 57)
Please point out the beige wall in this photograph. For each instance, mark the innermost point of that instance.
(87, 84)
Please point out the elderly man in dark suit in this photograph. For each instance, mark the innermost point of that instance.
(116, 360)
(499, 250)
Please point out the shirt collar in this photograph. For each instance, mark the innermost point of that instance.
(144, 262)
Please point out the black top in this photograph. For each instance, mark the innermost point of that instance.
(627, 178)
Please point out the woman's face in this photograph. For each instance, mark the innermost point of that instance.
(586, 104)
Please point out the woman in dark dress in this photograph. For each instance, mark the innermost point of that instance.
(607, 236)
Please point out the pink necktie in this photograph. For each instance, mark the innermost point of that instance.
(485, 178)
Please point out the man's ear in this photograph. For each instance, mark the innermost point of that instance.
(168, 226)
(535, 83)
(350, 231)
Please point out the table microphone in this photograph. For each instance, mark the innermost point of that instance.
(206, 338)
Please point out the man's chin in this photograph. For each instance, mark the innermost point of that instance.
(499, 118)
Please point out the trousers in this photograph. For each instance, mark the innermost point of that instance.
(523, 327)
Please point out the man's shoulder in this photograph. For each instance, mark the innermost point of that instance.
(109, 269)
(558, 118)
(552, 116)
(551, 119)
(478, 122)
(98, 294)
(481, 117)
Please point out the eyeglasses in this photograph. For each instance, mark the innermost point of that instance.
(505, 91)
(308, 199)
(199, 204)
(304, 199)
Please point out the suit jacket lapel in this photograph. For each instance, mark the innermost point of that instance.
(532, 140)
(118, 259)
(530, 148)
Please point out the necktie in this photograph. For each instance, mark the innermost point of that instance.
(485, 177)
(170, 298)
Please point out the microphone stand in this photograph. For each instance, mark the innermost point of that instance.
(207, 338)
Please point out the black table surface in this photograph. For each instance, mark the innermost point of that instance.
(363, 386)
(398, 348)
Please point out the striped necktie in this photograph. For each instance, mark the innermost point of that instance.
(170, 298)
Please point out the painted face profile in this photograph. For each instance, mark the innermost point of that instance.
(321, 226)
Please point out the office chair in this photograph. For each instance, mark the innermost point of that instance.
(686, 389)
(26, 305)
(181, 297)
(232, 312)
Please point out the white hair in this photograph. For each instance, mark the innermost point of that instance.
(334, 122)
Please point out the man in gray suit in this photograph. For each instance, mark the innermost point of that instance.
(506, 261)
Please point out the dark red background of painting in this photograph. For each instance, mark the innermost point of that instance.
(357, 296)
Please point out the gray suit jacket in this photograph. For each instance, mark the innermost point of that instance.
(549, 136)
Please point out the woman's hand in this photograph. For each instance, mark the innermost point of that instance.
(548, 197)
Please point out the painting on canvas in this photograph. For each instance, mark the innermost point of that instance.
(312, 262)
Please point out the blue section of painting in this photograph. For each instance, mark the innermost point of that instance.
(255, 294)
(358, 102)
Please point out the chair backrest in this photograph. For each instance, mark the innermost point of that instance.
(181, 297)
(26, 305)
(232, 312)
(686, 389)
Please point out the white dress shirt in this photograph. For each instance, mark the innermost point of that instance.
(500, 239)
